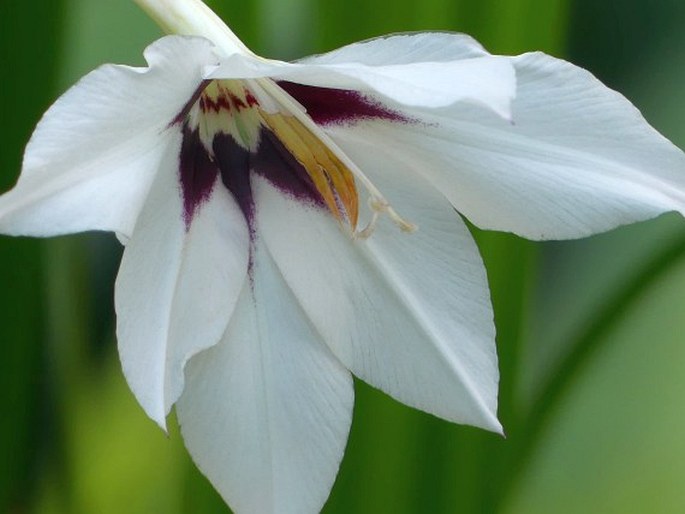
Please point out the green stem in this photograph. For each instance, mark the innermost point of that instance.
(193, 18)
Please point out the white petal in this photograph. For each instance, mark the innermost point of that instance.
(408, 313)
(485, 80)
(266, 412)
(91, 159)
(176, 288)
(404, 49)
(577, 159)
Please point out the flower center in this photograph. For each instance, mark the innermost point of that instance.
(242, 134)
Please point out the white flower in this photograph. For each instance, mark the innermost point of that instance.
(266, 209)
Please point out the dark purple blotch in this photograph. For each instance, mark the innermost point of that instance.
(327, 106)
(234, 165)
(274, 162)
(271, 160)
(197, 172)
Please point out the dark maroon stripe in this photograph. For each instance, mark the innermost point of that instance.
(273, 161)
(221, 103)
(197, 174)
(328, 106)
(234, 164)
(183, 114)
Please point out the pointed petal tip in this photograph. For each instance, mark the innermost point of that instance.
(154, 410)
(158, 414)
(505, 112)
(161, 423)
(489, 421)
(496, 427)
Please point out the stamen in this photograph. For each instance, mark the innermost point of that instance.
(234, 110)
(380, 206)
(332, 179)
(377, 202)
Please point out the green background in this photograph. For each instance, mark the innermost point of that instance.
(590, 333)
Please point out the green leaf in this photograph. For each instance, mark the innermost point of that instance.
(615, 443)
(28, 31)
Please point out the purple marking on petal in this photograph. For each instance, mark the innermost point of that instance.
(234, 165)
(271, 160)
(274, 162)
(183, 113)
(328, 106)
(197, 174)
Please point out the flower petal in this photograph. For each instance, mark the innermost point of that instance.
(422, 81)
(266, 412)
(404, 49)
(577, 159)
(92, 157)
(177, 286)
(408, 313)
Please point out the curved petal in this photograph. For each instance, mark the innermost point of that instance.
(577, 159)
(92, 158)
(408, 313)
(177, 287)
(266, 412)
(404, 49)
(485, 80)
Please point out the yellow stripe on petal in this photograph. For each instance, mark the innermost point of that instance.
(229, 107)
(332, 179)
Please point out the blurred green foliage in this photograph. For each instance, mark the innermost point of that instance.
(22, 354)
(588, 331)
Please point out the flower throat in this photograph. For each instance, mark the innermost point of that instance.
(228, 133)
